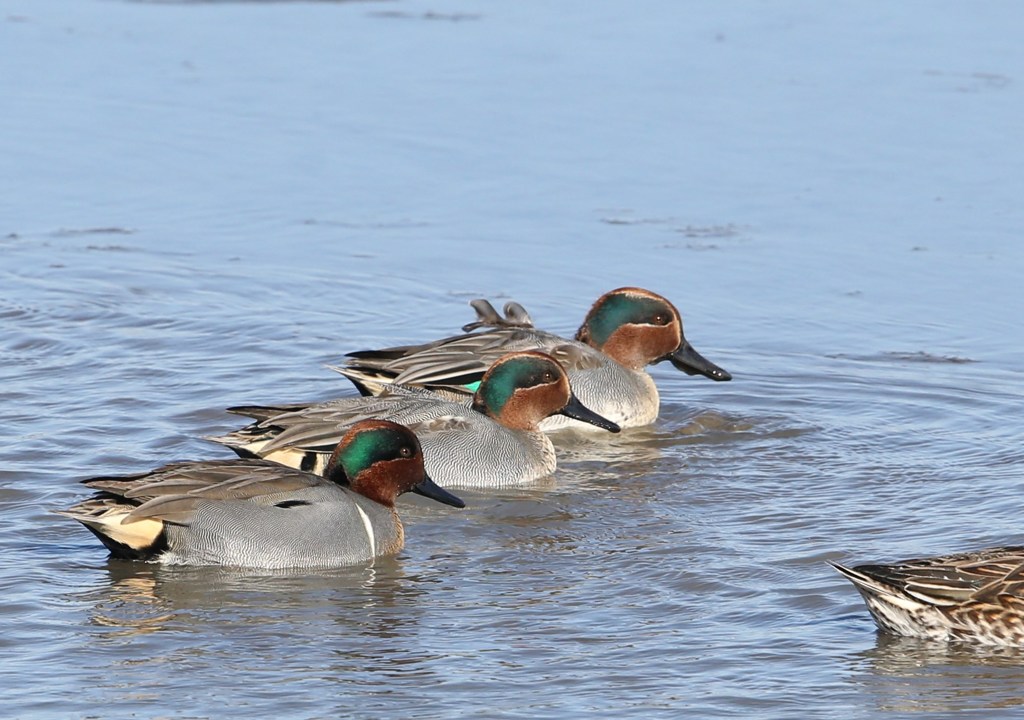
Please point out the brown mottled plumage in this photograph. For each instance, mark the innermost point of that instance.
(975, 597)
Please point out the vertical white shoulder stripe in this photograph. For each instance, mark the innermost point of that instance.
(368, 526)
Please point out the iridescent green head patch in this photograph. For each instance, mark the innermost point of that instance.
(618, 310)
(373, 445)
(505, 377)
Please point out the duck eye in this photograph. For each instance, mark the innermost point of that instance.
(549, 376)
(661, 319)
(406, 451)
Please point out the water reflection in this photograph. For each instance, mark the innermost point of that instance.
(912, 675)
(142, 598)
(129, 605)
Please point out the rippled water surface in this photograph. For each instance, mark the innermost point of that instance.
(204, 203)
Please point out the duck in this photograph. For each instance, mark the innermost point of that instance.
(259, 514)
(493, 443)
(975, 597)
(626, 330)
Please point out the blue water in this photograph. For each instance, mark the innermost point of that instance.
(204, 203)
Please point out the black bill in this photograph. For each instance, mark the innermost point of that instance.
(429, 488)
(691, 362)
(578, 411)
